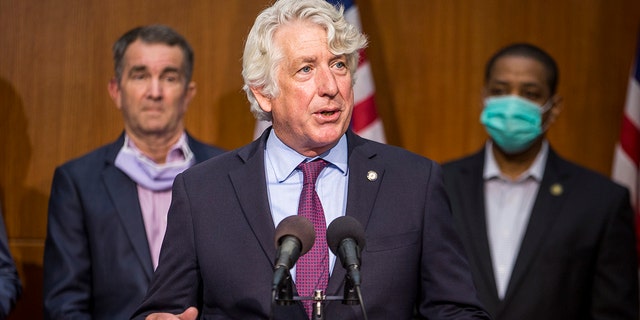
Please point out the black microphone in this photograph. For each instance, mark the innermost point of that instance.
(294, 237)
(345, 237)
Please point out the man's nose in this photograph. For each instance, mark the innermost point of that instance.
(155, 89)
(326, 81)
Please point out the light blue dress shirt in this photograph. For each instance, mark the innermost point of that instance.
(284, 182)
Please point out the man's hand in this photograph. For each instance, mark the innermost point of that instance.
(190, 314)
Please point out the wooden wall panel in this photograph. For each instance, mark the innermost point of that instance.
(427, 56)
(55, 66)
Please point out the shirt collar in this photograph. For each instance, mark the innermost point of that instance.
(536, 170)
(178, 151)
(284, 160)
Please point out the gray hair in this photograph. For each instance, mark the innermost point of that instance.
(152, 34)
(261, 56)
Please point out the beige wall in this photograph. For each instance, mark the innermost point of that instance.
(427, 58)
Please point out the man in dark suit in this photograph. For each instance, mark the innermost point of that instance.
(107, 211)
(546, 238)
(10, 285)
(218, 256)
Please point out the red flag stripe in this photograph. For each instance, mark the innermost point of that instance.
(364, 113)
(630, 140)
(626, 158)
(363, 58)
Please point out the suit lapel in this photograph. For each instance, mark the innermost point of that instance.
(249, 183)
(545, 211)
(474, 220)
(124, 196)
(201, 151)
(123, 193)
(362, 193)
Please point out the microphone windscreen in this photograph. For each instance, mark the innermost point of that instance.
(342, 228)
(299, 227)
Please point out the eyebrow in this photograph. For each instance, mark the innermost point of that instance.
(533, 85)
(524, 84)
(143, 68)
(314, 59)
(171, 70)
(304, 59)
(135, 69)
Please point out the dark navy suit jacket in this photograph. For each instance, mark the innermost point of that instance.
(577, 259)
(10, 286)
(97, 263)
(219, 249)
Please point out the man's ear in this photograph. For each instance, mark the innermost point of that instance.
(114, 91)
(189, 94)
(556, 108)
(263, 100)
(557, 105)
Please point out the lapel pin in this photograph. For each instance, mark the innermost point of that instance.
(556, 189)
(372, 175)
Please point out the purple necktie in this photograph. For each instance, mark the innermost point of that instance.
(312, 270)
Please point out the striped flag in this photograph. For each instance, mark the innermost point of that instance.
(364, 120)
(626, 159)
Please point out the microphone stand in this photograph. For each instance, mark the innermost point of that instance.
(284, 297)
(318, 299)
(283, 294)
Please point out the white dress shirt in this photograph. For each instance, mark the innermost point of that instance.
(508, 208)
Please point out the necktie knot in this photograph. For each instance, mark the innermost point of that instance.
(311, 170)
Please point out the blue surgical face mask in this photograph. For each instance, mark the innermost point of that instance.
(513, 122)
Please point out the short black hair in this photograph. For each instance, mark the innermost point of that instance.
(156, 33)
(527, 50)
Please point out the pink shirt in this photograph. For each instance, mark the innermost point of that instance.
(155, 204)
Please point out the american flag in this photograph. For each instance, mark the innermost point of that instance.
(626, 160)
(364, 120)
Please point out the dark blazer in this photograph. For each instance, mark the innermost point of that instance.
(10, 285)
(97, 263)
(577, 259)
(219, 248)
